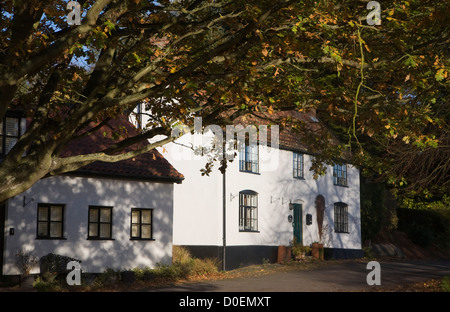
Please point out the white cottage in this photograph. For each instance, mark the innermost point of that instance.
(108, 215)
(264, 199)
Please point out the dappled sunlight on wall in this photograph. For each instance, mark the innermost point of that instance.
(77, 194)
(277, 189)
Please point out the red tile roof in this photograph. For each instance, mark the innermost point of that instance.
(289, 137)
(147, 166)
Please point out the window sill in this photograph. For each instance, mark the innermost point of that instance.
(100, 238)
(142, 239)
(299, 178)
(245, 171)
(248, 231)
(342, 185)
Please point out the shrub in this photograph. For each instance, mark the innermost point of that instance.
(426, 227)
(445, 284)
(55, 263)
(49, 283)
(180, 255)
(184, 266)
(107, 277)
(203, 267)
(25, 261)
(143, 274)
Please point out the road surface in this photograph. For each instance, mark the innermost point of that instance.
(348, 276)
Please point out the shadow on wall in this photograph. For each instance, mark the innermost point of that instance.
(317, 198)
(77, 194)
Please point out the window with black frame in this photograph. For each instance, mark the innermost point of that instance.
(248, 211)
(9, 133)
(248, 159)
(340, 175)
(50, 221)
(340, 217)
(100, 222)
(141, 223)
(298, 165)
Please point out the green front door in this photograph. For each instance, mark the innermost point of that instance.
(297, 223)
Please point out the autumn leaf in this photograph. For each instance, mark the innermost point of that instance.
(75, 77)
(264, 52)
(441, 74)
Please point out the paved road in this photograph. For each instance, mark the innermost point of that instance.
(349, 276)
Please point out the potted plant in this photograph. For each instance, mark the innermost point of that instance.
(25, 260)
(317, 250)
(325, 237)
(299, 251)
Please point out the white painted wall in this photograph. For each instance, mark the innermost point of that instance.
(277, 188)
(77, 193)
(198, 200)
(198, 219)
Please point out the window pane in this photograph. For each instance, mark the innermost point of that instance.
(135, 216)
(105, 215)
(135, 230)
(42, 213)
(56, 213)
(93, 215)
(146, 231)
(254, 166)
(105, 230)
(248, 212)
(55, 229)
(298, 165)
(93, 229)
(9, 144)
(42, 228)
(12, 126)
(146, 216)
(341, 218)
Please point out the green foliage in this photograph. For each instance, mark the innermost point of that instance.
(445, 284)
(49, 282)
(382, 91)
(108, 277)
(426, 227)
(184, 266)
(299, 249)
(54, 263)
(374, 211)
(425, 201)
